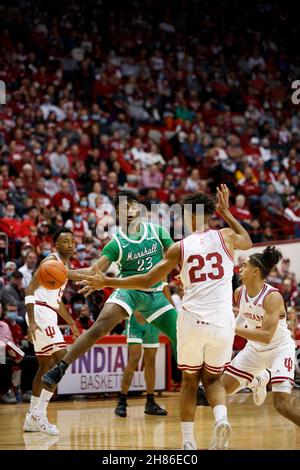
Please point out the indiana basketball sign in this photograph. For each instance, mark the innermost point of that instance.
(101, 370)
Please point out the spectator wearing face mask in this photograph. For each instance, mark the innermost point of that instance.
(78, 226)
(44, 249)
(28, 267)
(84, 206)
(13, 293)
(25, 247)
(77, 302)
(10, 317)
(84, 321)
(79, 261)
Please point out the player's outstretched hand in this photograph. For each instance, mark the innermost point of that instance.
(91, 283)
(223, 199)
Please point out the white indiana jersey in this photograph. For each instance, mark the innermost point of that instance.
(206, 275)
(252, 311)
(50, 297)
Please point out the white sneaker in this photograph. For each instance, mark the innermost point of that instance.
(188, 445)
(29, 424)
(220, 435)
(42, 424)
(260, 391)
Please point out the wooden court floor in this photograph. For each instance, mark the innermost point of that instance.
(93, 425)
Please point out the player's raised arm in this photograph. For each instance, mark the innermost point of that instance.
(140, 282)
(274, 307)
(240, 237)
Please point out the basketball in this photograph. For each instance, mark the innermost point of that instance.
(52, 274)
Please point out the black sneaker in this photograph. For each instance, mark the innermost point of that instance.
(152, 408)
(120, 409)
(54, 375)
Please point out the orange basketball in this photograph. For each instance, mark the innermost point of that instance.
(52, 274)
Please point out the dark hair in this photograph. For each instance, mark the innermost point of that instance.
(266, 260)
(200, 198)
(59, 231)
(17, 275)
(131, 196)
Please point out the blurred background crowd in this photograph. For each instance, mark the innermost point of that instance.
(165, 101)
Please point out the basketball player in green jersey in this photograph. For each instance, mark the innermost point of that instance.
(135, 252)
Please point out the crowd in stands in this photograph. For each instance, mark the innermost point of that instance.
(163, 101)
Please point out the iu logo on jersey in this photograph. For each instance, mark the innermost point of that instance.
(288, 363)
(50, 331)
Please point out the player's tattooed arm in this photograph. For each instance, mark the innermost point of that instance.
(140, 282)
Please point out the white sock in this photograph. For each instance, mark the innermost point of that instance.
(33, 402)
(220, 411)
(43, 401)
(187, 429)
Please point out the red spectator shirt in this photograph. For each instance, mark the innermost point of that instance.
(64, 202)
(42, 199)
(240, 214)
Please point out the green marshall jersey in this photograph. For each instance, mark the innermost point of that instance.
(138, 254)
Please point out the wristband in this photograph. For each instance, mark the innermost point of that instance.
(29, 299)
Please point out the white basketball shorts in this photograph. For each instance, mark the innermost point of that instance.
(280, 361)
(49, 338)
(202, 345)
